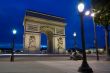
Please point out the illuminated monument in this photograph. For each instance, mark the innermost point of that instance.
(54, 27)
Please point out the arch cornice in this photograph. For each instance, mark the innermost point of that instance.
(44, 21)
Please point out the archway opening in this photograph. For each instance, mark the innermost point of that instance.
(47, 38)
(44, 43)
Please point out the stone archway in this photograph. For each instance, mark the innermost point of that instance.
(54, 27)
(49, 32)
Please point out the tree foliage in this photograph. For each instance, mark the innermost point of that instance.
(102, 9)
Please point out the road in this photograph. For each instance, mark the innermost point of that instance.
(51, 67)
(44, 57)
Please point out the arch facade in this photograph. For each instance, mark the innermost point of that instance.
(54, 27)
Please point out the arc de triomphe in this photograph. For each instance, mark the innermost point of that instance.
(54, 27)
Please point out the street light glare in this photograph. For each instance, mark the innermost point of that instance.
(87, 13)
(14, 31)
(80, 7)
(74, 34)
(92, 14)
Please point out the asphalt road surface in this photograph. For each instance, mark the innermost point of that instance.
(50, 64)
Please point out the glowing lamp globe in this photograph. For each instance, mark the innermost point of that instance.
(14, 31)
(74, 34)
(80, 7)
(87, 13)
(92, 14)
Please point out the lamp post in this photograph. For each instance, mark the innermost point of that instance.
(87, 13)
(13, 45)
(74, 35)
(84, 67)
(95, 37)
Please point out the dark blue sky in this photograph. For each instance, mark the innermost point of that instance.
(12, 14)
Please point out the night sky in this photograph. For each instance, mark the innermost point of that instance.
(12, 14)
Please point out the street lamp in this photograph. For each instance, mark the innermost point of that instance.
(13, 44)
(95, 37)
(85, 68)
(81, 7)
(14, 31)
(87, 13)
(92, 14)
(74, 35)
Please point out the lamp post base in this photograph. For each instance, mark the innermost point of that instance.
(85, 68)
(108, 55)
(12, 59)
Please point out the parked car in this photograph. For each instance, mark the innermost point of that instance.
(75, 56)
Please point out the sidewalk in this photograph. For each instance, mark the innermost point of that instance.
(52, 66)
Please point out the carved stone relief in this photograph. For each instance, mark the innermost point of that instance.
(59, 31)
(47, 28)
(32, 42)
(60, 43)
(31, 27)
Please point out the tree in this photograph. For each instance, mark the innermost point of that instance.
(102, 9)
